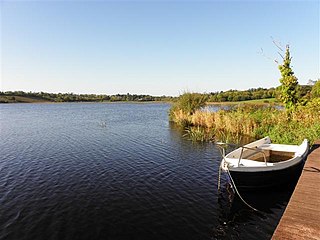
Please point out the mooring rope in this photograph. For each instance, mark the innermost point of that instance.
(236, 190)
(222, 152)
(219, 178)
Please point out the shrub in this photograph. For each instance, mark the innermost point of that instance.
(289, 83)
(315, 92)
(186, 105)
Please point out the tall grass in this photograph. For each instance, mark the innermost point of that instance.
(200, 134)
(254, 121)
(185, 106)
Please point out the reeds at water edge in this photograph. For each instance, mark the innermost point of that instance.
(253, 121)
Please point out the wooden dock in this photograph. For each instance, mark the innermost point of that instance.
(301, 219)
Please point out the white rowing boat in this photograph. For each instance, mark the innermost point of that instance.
(264, 164)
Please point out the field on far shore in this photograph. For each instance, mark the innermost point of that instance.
(254, 102)
(20, 99)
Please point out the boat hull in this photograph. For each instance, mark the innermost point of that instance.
(267, 179)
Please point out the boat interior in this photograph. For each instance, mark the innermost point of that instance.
(270, 156)
(264, 153)
(270, 153)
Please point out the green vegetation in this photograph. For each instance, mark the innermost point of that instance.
(315, 92)
(264, 94)
(257, 96)
(20, 99)
(300, 120)
(264, 101)
(289, 83)
(200, 134)
(186, 105)
(235, 95)
(20, 96)
(256, 122)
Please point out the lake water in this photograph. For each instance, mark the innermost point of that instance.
(116, 171)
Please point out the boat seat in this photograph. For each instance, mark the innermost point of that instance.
(278, 147)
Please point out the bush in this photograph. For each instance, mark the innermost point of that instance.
(186, 105)
(315, 92)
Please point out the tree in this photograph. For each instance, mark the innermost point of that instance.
(315, 92)
(289, 83)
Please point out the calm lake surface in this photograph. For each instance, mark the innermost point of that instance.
(117, 171)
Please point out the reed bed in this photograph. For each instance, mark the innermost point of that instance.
(253, 121)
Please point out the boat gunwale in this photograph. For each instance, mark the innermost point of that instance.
(276, 166)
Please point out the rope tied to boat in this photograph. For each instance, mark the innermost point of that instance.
(239, 195)
(225, 167)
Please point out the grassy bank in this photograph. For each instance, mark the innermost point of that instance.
(255, 121)
(265, 101)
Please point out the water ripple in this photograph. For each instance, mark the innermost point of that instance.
(112, 171)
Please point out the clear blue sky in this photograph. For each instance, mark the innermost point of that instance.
(154, 47)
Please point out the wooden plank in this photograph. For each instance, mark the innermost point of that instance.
(301, 219)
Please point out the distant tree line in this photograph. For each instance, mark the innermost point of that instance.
(71, 97)
(222, 96)
(252, 94)
(235, 95)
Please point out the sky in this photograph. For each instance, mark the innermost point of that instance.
(154, 47)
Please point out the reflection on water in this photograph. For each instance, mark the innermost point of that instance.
(237, 221)
(115, 171)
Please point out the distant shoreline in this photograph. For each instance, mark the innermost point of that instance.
(22, 97)
(89, 102)
(25, 100)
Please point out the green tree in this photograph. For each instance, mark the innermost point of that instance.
(315, 92)
(289, 83)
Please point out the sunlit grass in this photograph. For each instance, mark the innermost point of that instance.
(256, 122)
(264, 101)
